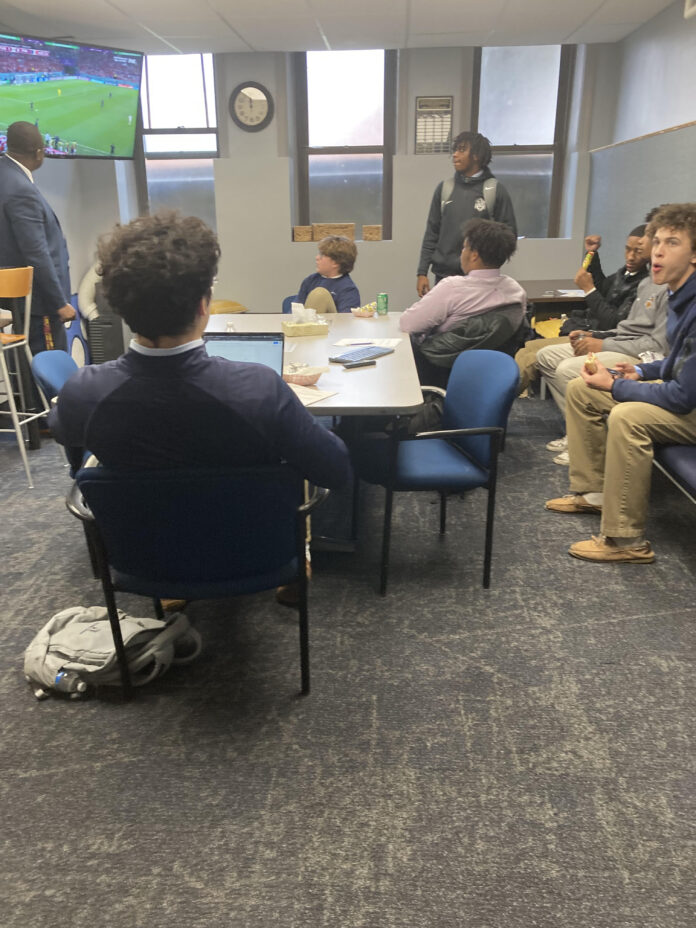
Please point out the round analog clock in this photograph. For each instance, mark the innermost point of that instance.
(251, 106)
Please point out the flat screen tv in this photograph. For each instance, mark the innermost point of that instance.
(83, 98)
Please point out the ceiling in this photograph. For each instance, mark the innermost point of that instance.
(171, 26)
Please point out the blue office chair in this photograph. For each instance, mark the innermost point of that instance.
(460, 456)
(51, 369)
(196, 533)
(287, 307)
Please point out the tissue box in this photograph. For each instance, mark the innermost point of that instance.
(304, 328)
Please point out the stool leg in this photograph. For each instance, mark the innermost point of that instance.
(15, 418)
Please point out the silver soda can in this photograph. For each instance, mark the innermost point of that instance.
(382, 304)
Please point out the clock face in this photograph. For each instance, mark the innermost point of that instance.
(251, 106)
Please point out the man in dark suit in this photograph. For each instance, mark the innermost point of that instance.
(30, 234)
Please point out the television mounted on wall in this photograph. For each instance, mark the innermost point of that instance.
(82, 98)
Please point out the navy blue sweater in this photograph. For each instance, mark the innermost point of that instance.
(188, 410)
(678, 370)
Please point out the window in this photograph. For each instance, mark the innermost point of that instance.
(178, 100)
(523, 109)
(180, 134)
(345, 131)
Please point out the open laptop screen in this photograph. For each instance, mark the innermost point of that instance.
(257, 347)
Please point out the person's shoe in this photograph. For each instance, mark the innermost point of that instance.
(563, 458)
(573, 502)
(558, 444)
(289, 595)
(604, 550)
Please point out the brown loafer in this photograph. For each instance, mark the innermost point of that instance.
(573, 502)
(605, 551)
(288, 595)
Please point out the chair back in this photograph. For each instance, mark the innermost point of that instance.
(197, 532)
(51, 369)
(226, 306)
(480, 392)
(16, 283)
(287, 303)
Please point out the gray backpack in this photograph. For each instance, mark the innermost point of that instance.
(75, 649)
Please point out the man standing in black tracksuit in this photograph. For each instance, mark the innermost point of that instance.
(467, 197)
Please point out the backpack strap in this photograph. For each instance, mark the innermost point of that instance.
(446, 192)
(490, 186)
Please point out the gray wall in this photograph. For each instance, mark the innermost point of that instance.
(657, 81)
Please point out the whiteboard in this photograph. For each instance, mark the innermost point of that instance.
(629, 179)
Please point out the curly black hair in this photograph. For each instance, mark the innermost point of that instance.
(495, 242)
(156, 270)
(479, 146)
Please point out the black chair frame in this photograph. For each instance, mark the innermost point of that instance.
(497, 435)
(100, 563)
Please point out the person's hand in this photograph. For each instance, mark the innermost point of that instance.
(600, 380)
(585, 344)
(578, 333)
(422, 284)
(626, 371)
(583, 279)
(592, 242)
(66, 313)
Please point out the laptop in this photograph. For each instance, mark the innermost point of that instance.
(255, 347)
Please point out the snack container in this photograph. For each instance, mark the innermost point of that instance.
(303, 378)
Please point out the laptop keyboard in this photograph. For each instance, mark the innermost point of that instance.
(361, 354)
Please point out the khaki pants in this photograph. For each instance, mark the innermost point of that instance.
(526, 358)
(615, 456)
(558, 365)
(320, 300)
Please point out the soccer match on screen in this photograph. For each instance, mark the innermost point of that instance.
(83, 100)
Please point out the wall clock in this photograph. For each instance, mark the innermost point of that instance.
(251, 106)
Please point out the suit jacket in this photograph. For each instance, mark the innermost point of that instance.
(30, 234)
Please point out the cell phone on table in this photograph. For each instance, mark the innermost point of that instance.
(351, 365)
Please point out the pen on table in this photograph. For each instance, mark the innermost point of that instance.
(352, 344)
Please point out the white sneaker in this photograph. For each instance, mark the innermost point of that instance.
(558, 444)
(562, 458)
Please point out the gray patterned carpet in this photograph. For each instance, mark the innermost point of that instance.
(517, 758)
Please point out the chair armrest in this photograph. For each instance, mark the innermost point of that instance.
(437, 390)
(319, 494)
(77, 506)
(449, 433)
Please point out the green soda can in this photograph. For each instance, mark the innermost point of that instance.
(382, 304)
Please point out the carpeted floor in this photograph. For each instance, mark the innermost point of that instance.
(514, 758)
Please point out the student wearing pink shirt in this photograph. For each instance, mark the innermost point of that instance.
(482, 309)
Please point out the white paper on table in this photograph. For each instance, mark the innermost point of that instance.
(578, 293)
(309, 395)
(367, 342)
